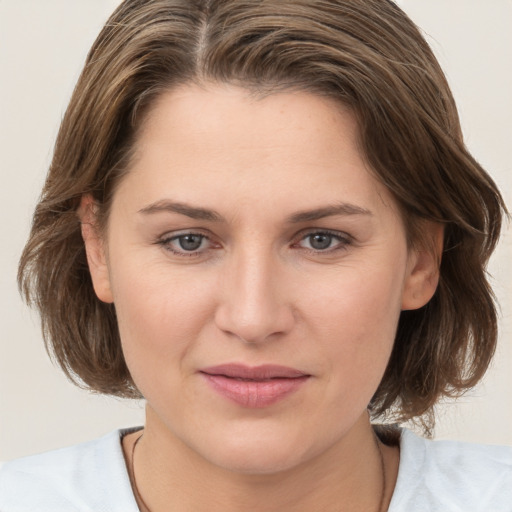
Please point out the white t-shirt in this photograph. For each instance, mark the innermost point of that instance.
(443, 476)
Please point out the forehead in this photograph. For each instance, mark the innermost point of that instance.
(215, 143)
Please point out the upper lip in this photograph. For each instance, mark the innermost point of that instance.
(261, 372)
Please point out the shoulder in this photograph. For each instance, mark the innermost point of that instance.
(451, 475)
(90, 476)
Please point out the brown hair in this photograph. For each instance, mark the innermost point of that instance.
(366, 54)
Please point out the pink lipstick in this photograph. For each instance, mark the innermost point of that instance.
(256, 386)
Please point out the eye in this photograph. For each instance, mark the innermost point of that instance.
(324, 241)
(189, 242)
(186, 244)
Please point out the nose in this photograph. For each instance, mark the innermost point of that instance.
(253, 298)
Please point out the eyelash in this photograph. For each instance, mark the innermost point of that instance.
(344, 240)
(167, 241)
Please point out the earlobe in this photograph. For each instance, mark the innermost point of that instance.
(95, 249)
(423, 268)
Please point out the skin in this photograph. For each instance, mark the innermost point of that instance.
(257, 291)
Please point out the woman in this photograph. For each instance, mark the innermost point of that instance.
(260, 217)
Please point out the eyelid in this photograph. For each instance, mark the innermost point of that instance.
(165, 242)
(344, 238)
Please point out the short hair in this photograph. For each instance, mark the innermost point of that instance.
(367, 55)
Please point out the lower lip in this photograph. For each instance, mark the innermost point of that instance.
(255, 393)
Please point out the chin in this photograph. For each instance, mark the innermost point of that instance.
(257, 461)
(256, 452)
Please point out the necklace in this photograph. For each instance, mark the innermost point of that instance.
(134, 481)
(147, 509)
(383, 473)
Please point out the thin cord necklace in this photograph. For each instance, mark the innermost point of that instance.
(147, 509)
(383, 473)
(134, 481)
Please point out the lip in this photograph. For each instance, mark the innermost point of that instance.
(254, 386)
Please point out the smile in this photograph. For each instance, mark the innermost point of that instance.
(254, 387)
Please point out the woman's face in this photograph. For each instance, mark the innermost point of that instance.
(248, 233)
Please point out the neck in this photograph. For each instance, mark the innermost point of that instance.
(347, 477)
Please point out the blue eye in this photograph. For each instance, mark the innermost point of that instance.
(186, 244)
(324, 241)
(320, 241)
(190, 242)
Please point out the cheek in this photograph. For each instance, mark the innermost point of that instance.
(354, 317)
(160, 316)
(362, 299)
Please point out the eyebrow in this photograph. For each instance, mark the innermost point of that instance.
(328, 211)
(197, 213)
(183, 209)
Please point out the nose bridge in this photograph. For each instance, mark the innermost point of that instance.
(253, 305)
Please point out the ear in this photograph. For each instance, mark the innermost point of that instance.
(422, 275)
(95, 249)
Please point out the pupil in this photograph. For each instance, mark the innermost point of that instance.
(321, 241)
(190, 242)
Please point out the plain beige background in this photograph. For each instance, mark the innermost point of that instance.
(43, 44)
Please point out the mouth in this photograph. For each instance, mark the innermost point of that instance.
(254, 387)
